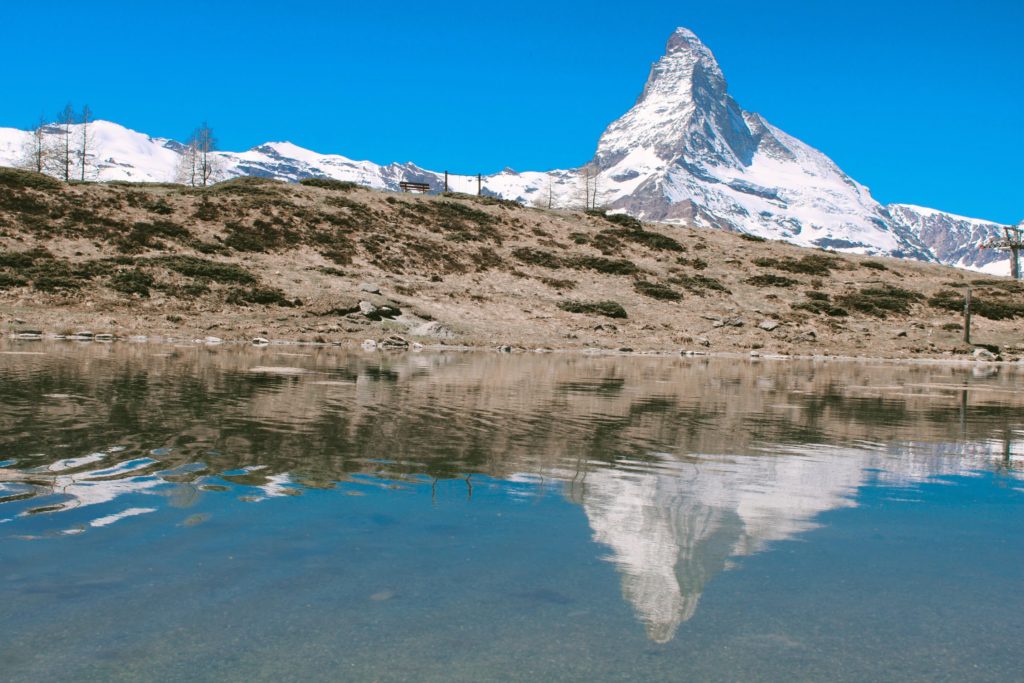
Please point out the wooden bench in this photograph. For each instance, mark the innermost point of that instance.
(414, 187)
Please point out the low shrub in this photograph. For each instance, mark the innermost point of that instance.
(874, 265)
(880, 301)
(191, 266)
(132, 282)
(266, 296)
(769, 280)
(990, 306)
(537, 257)
(656, 290)
(698, 284)
(610, 309)
(330, 184)
(600, 264)
(751, 238)
(811, 264)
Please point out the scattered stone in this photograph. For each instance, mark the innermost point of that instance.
(432, 329)
(104, 337)
(393, 342)
(768, 325)
(626, 349)
(755, 354)
(260, 341)
(416, 346)
(369, 345)
(703, 342)
(901, 333)
(213, 340)
(505, 349)
(369, 287)
(367, 308)
(606, 327)
(984, 355)
(28, 334)
(734, 322)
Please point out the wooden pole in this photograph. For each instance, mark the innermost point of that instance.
(446, 182)
(967, 316)
(479, 184)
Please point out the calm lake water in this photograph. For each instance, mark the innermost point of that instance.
(222, 513)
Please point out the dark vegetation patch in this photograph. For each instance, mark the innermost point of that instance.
(191, 266)
(330, 184)
(880, 301)
(132, 282)
(266, 296)
(656, 290)
(18, 179)
(695, 263)
(247, 186)
(462, 223)
(988, 304)
(698, 284)
(608, 266)
(874, 265)
(811, 264)
(559, 284)
(537, 257)
(145, 235)
(610, 309)
(1009, 286)
(820, 302)
(770, 280)
(751, 238)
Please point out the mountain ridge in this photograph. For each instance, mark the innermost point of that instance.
(685, 153)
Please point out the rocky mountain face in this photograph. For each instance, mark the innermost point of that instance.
(954, 240)
(685, 153)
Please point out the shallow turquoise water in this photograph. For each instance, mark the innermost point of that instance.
(237, 514)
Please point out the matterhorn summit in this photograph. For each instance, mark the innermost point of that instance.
(688, 153)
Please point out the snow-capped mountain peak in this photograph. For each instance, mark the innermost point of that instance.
(685, 153)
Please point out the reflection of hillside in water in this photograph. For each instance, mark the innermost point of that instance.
(680, 464)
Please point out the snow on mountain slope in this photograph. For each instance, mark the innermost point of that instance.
(684, 153)
(955, 240)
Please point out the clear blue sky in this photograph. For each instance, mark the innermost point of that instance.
(921, 101)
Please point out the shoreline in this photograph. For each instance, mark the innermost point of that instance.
(372, 346)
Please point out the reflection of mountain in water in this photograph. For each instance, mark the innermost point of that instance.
(91, 435)
(672, 529)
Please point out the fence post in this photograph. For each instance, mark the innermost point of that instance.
(967, 316)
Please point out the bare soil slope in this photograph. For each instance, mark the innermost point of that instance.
(332, 262)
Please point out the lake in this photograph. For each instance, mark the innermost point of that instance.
(228, 513)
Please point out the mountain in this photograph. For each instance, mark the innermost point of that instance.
(685, 153)
(954, 240)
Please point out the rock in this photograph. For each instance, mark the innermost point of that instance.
(213, 340)
(416, 346)
(734, 322)
(626, 349)
(369, 287)
(984, 355)
(755, 354)
(367, 309)
(432, 329)
(84, 334)
(260, 341)
(901, 333)
(768, 325)
(505, 349)
(369, 345)
(704, 342)
(393, 342)
(605, 327)
(104, 337)
(717, 323)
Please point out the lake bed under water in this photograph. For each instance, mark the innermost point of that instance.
(284, 513)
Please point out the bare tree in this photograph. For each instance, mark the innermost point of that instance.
(588, 185)
(545, 199)
(64, 151)
(85, 141)
(205, 144)
(187, 171)
(37, 151)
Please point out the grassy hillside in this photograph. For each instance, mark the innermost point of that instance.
(330, 261)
